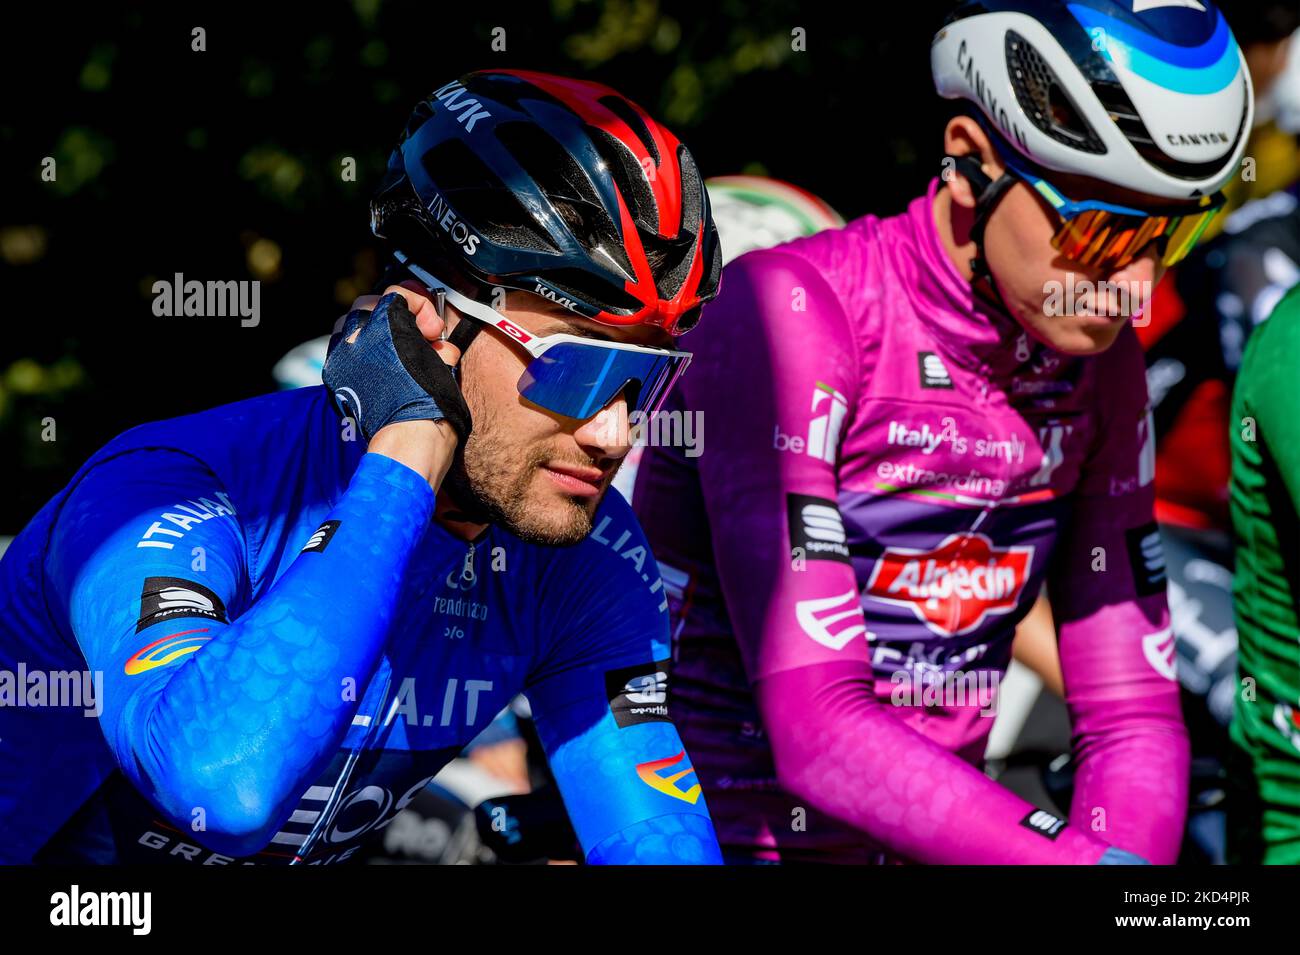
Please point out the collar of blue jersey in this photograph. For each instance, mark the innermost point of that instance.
(571, 375)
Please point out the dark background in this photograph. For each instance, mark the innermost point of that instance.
(226, 165)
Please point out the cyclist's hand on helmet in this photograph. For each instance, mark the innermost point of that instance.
(388, 370)
(421, 305)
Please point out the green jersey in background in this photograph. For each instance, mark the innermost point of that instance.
(1264, 494)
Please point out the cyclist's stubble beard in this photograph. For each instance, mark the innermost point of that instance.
(493, 477)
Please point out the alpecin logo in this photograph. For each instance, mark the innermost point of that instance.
(952, 588)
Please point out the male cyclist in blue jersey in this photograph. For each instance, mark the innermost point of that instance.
(302, 605)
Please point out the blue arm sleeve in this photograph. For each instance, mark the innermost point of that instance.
(601, 705)
(205, 712)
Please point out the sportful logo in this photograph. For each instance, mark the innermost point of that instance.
(176, 598)
(1146, 555)
(824, 430)
(954, 587)
(1044, 823)
(823, 523)
(933, 372)
(638, 694)
(651, 688)
(818, 615)
(1159, 650)
(166, 598)
(649, 773)
(321, 539)
(816, 528)
(163, 598)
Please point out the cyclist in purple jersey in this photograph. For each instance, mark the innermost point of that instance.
(935, 424)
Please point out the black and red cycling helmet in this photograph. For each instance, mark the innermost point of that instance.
(555, 186)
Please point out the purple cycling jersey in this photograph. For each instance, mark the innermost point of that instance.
(891, 472)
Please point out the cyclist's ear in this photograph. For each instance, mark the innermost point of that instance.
(963, 136)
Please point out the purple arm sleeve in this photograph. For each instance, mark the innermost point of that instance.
(840, 748)
(1117, 647)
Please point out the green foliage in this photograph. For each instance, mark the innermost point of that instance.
(227, 165)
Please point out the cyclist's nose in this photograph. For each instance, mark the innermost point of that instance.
(605, 434)
(1144, 268)
(1143, 273)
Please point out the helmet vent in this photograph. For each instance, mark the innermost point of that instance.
(624, 111)
(1126, 117)
(692, 190)
(1044, 99)
(565, 185)
(454, 167)
(546, 162)
(676, 255)
(480, 198)
(629, 177)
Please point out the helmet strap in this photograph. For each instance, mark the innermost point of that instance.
(466, 331)
(988, 193)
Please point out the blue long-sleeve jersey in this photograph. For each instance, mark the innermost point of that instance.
(288, 647)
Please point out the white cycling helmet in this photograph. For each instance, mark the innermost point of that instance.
(1150, 95)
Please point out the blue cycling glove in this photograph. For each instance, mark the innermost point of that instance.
(390, 373)
(1113, 856)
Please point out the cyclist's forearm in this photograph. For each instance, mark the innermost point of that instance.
(245, 726)
(840, 749)
(426, 447)
(1118, 659)
(1131, 782)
